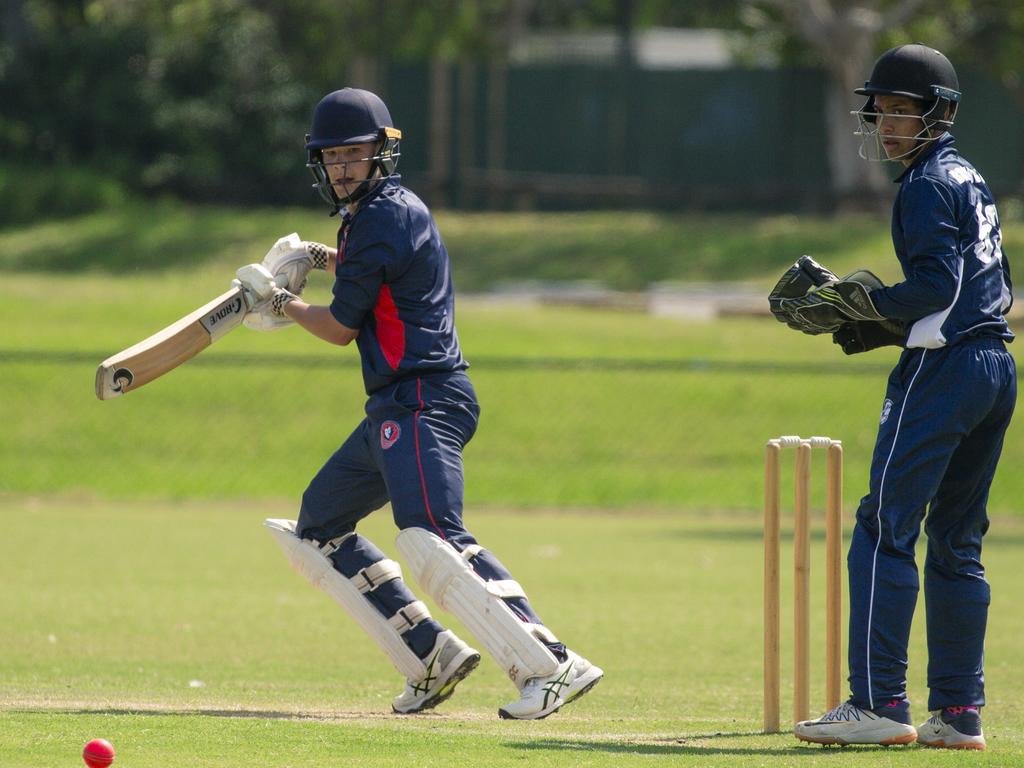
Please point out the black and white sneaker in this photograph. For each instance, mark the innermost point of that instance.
(953, 728)
(849, 724)
(446, 666)
(542, 696)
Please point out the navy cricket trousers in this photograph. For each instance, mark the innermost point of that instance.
(408, 450)
(941, 433)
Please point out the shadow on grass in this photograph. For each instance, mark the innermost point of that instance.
(139, 238)
(689, 745)
(695, 744)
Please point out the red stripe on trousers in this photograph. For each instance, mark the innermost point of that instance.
(419, 461)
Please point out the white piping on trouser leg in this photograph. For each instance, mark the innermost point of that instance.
(878, 522)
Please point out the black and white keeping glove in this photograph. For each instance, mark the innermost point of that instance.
(864, 335)
(831, 305)
(805, 275)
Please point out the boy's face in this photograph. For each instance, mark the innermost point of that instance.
(899, 126)
(349, 165)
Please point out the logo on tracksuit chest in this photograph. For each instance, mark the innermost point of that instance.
(389, 434)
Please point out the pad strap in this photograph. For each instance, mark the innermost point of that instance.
(311, 559)
(446, 575)
(372, 576)
(408, 617)
(505, 589)
(331, 546)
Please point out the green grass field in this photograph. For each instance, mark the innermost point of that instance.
(581, 408)
(117, 613)
(622, 250)
(617, 471)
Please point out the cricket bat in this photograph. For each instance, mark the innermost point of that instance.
(167, 349)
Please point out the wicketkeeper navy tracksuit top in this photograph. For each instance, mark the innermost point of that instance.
(948, 403)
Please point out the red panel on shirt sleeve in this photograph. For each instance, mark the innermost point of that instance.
(390, 330)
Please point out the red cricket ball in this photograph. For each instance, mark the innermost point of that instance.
(98, 753)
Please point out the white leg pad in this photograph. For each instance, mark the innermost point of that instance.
(451, 581)
(310, 561)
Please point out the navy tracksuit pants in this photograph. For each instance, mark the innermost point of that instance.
(408, 450)
(941, 433)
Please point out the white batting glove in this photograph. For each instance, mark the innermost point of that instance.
(280, 298)
(268, 315)
(256, 282)
(320, 253)
(291, 259)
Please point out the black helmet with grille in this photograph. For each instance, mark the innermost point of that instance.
(918, 72)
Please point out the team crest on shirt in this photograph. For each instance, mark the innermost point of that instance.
(389, 434)
(886, 408)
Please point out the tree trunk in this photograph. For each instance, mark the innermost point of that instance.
(855, 181)
(843, 33)
(439, 137)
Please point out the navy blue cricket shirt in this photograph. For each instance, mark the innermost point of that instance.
(947, 238)
(393, 283)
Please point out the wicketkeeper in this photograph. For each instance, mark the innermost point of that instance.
(393, 296)
(947, 406)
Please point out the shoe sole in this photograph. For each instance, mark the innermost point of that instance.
(892, 741)
(445, 691)
(976, 745)
(504, 715)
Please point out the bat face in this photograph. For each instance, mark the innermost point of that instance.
(169, 348)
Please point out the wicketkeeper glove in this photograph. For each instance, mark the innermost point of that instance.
(805, 275)
(864, 335)
(835, 303)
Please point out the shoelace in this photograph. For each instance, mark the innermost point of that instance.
(845, 712)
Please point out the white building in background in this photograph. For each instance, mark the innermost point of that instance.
(654, 48)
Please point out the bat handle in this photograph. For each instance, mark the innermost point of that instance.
(282, 281)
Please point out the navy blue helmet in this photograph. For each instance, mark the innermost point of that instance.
(351, 116)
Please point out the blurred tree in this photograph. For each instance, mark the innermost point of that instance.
(220, 93)
(210, 98)
(984, 34)
(195, 97)
(843, 36)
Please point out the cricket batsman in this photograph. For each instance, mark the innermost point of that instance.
(393, 296)
(947, 406)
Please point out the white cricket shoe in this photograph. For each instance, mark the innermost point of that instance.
(542, 696)
(849, 724)
(448, 663)
(953, 728)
